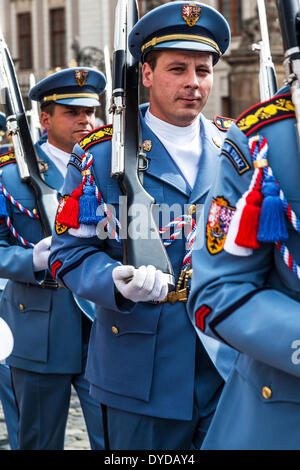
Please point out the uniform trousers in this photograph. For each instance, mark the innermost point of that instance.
(130, 431)
(43, 405)
(9, 406)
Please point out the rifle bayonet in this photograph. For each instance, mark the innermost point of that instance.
(267, 74)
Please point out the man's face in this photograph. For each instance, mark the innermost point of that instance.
(68, 125)
(179, 85)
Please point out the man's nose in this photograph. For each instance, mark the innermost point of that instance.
(192, 80)
(83, 117)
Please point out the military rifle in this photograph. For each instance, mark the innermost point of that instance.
(19, 130)
(289, 17)
(146, 248)
(267, 74)
(108, 88)
(35, 126)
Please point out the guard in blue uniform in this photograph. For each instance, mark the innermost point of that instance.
(245, 288)
(4, 148)
(145, 363)
(51, 332)
(6, 392)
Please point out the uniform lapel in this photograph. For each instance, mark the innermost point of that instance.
(161, 164)
(52, 175)
(207, 167)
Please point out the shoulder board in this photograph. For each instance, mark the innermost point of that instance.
(7, 158)
(223, 123)
(96, 136)
(277, 108)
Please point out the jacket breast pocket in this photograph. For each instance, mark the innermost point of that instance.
(271, 385)
(26, 309)
(126, 350)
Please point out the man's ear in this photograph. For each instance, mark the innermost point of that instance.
(147, 74)
(45, 120)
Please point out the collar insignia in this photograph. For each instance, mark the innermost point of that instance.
(147, 145)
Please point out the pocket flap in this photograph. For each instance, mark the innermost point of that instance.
(272, 385)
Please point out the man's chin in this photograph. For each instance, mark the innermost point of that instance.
(187, 118)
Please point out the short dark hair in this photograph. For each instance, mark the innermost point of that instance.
(152, 56)
(48, 108)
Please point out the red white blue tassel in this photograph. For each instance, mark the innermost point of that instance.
(260, 212)
(272, 224)
(241, 239)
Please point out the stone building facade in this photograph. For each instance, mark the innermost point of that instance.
(44, 35)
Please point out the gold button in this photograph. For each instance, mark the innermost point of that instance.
(35, 211)
(266, 392)
(21, 307)
(115, 330)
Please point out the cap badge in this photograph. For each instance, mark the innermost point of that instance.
(191, 14)
(81, 77)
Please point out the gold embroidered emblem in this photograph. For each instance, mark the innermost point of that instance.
(81, 77)
(102, 134)
(277, 108)
(219, 218)
(7, 158)
(191, 14)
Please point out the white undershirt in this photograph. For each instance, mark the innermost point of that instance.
(183, 144)
(57, 156)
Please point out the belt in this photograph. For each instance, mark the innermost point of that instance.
(48, 283)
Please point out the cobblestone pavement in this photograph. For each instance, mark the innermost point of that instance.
(76, 434)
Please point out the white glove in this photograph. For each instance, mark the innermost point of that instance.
(6, 340)
(144, 284)
(41, 252)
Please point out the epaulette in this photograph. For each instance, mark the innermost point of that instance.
(223, 123)
(277, 108)
(7, 158)
(96, 136)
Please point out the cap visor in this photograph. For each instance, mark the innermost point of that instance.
(187, 45)
(89, 102)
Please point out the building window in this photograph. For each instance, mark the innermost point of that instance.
(24, 41)
(58, 37)
(232, 10)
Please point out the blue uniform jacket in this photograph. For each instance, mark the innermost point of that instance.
(46, 323)
(146, 364)
(252, 302)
